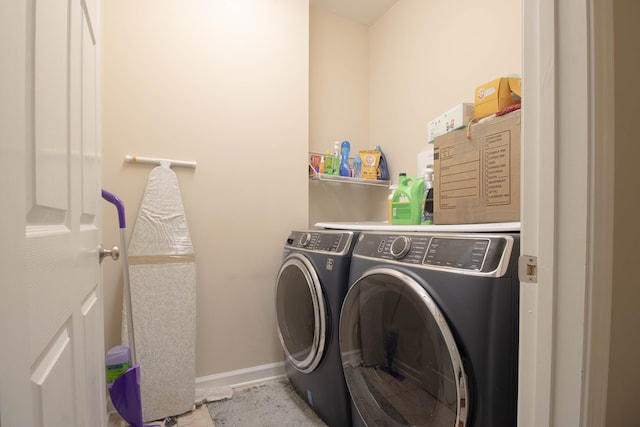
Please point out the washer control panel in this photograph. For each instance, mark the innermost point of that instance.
(467, 254)
(320, 240)
(473, 252)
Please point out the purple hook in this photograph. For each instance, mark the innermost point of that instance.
(113, 199)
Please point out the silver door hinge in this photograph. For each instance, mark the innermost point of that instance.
(528, 268)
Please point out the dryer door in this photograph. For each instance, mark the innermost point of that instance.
(400, 360)
(301, 313)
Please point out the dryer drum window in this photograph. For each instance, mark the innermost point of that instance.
(399, 357)
(301, 313)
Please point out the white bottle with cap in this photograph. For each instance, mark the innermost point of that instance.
(427, 210)
(335, 169)
(392, 190)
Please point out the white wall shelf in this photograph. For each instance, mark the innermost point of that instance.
(315, 176)
(349, 180)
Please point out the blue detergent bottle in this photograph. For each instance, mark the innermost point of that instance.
(345, 170)
(357, 166)
(383, 168)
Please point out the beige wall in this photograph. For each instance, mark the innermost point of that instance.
(225, 84)
(181, 80)
(380, 85)
(622, 405)
(338, 111)
(426, 57)
(186, 80)
(338, 81)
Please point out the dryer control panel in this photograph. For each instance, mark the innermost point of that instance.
(470, 253)
(337, 242)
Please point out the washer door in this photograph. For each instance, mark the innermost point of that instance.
(301, 313)
(400, 360)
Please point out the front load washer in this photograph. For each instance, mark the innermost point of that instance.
(429, 330)
(310, 287)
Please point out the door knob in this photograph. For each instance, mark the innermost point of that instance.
(114, 252)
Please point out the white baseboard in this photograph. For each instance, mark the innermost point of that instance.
(242, 378)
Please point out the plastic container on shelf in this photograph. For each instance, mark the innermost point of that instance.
(345, 170)
(427, 209)
(383, 167)
(328, 163)
(117, 360)
(335, 168)
(407, 201)
(357, 166)
(392, 190)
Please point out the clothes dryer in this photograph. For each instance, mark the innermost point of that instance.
(429, 330)
(310, 287)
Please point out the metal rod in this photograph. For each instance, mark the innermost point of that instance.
(127, 298)
(159, 161)
(115, 200)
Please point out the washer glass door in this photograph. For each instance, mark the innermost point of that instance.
(301, 313)
(400, 360)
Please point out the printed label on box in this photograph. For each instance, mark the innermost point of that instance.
(497, 169)
(458, 175)
(478, 179)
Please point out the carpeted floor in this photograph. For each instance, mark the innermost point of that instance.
(196, 418)
(274, 404)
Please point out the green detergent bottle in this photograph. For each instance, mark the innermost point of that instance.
(407, 201)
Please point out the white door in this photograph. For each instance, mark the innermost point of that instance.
(51, 327)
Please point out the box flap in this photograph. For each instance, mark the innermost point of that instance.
(496, 95)
(515, 85)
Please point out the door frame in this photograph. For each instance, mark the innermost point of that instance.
(567, 211)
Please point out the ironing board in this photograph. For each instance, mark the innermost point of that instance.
(162, 278)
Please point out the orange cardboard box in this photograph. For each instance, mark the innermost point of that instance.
(496, 95)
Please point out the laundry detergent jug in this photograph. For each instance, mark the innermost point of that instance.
(407, 201)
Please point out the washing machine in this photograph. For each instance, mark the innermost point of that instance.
(310, 287)
(429, 329)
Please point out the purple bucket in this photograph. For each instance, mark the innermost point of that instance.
(126, 398)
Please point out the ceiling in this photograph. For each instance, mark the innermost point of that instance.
(365, 12)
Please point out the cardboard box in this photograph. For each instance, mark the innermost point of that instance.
(478, 180)
(456, 118)
(496, 95)
(370, 160)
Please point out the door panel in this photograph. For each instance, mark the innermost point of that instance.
(51, 104)
(60, 174)
(90, 152)
(52, 377)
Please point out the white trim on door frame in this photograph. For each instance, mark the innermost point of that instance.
(567, 211)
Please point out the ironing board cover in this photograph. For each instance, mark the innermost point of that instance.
(162, 273)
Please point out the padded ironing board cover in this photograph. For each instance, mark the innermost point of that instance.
(162, 279)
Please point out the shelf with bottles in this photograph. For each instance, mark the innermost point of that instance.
(314, 174)
(349, 179)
